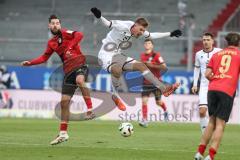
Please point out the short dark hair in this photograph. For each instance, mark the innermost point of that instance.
(53, 16)
(148, 40)
(208, 34)
(142, 21)
(233, 39)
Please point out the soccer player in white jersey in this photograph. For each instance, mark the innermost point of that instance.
(118, 40)
(202, 58)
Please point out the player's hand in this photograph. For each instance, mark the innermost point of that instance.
(26, 63)
(176, 33)
(194, 89)
(96, 12)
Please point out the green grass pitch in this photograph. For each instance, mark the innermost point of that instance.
(28, 139)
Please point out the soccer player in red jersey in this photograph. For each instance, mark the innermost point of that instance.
(156, 64)
(66, 44)
(223, 73)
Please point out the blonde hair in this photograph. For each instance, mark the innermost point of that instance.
(142, 21)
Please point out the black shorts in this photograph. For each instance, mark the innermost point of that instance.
(148, 89)
(69, 83)
(220, 105)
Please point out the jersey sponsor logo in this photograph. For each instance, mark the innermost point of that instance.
(111, 46)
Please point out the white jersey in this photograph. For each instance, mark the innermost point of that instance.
(201, 61)
(120, 37)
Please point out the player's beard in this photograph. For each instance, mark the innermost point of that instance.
(55, 31)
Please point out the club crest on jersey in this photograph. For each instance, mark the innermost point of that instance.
(59, 40)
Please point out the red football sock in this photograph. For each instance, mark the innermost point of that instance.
(63, 126)
(144, 111)
(88, 102)
(201, 148)
(212, 153)
(163, 105)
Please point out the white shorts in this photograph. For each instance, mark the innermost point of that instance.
(106, 59)
(203, 96)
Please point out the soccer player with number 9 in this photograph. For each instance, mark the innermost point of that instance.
(223, 73)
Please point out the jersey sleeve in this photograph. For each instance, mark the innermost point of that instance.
(156, 35)
(75, 37)
(160, 59)
(44, 57)
(197, 63)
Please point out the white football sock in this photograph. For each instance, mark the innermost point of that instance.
(203, 123)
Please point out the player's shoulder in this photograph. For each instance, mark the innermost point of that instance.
(142, 54)
(158, 54)
(200, 52)
(215, 49)
(68, 31)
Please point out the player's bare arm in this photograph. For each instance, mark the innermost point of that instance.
(209, 74)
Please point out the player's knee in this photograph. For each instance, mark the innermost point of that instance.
(202, 112)
(65, 103)
(116, 72)
(80, 81)
(142, 67)
(219, 128)
(144, 102)
(159, 103)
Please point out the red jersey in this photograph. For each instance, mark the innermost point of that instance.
(66, 41)
(154, 58)
(225, 66)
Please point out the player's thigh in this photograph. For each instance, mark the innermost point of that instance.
(213, 101)
(65, 100)
(69, 84)
(81, 74)
(158, 95)
(137, 66)
(116, 69)
(123, 61)
(224, 108)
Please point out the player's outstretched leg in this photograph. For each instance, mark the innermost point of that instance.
(163, 106)
(116, 72)
(166, 89)
(63, 135)
(80, 81)
(144, 121)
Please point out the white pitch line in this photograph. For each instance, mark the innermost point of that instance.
(93, 147)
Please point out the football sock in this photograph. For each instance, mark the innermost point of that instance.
(88, 102)
(63, 126)
(203, 123)
(201, 148)
(144, 112)
(212, 153)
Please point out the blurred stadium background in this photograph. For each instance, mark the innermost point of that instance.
(24, 33)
